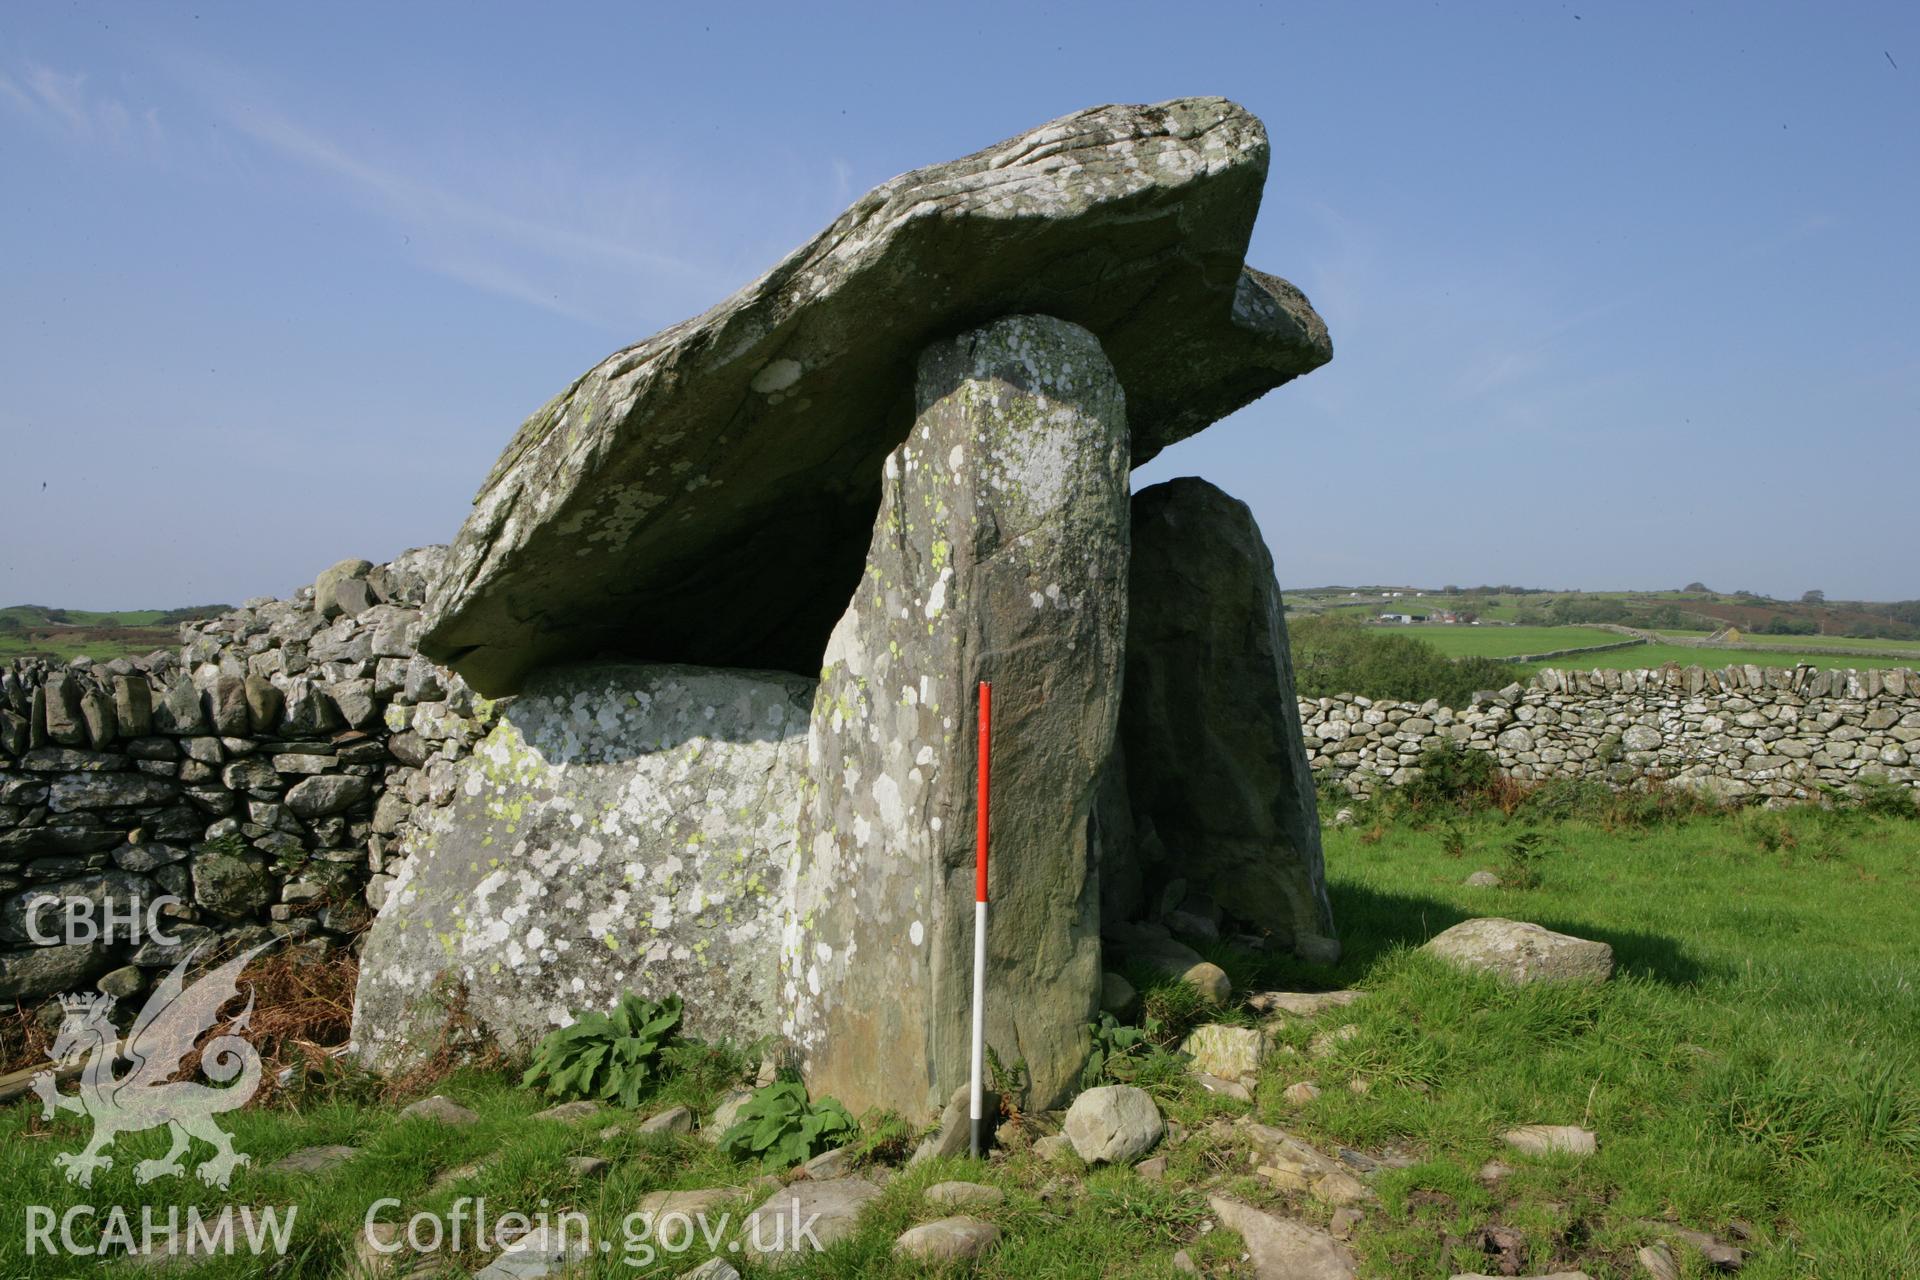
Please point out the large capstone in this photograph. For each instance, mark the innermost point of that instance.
(623, 828)
(999, 554)
(1221, 794)
(707, 495)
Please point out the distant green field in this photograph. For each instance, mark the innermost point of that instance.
(1655, 655)
(1819, 642)
(1506, 642)
(14, 645)
(34, 616)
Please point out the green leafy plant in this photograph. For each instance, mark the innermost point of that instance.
(1881, 796)
(607, 1055)
(1125, 1054)
(1524, 854)
(1454, 777)
(885, 1138)
(1010, 1082)
(232, 844)
(778, 1127)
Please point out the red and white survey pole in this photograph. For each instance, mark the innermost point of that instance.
(978, 1138)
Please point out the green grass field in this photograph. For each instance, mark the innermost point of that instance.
(1655, 655)
(1751, 1068)
(13, 645)
(33, 616)
(1505, 642)
(1823, 642)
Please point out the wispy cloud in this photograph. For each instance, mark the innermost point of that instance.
(526, 218)
(63, 104)
(426, 205)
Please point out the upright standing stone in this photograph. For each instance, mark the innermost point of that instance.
(999, 553)
(1216, 767)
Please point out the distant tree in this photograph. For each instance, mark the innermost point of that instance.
(1782, 625)
(1813, 597)
(1339, 655)
(1698, 588)
(1450, 590)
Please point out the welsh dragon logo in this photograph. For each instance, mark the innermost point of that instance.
(145, 1096)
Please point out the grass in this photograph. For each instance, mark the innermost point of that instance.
(1754, 1059)
(1824, 642)
(1507, 642)
(1643, 656)
(101, 648)
(1751, 1067)
(28, 630)
(30, 615)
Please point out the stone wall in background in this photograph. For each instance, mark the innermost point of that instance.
(272, 774)
(265, 775)
(1781, 734)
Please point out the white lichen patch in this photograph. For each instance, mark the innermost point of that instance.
(621, 828)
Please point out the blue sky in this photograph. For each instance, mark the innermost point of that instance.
(1621, 295)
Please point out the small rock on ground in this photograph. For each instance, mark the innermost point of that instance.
(1114, 1124)
(658, 1204)
(834, 1204)
(1483, 880)
(170, 1251)
(568, 1112)
(1727, 1257)
(1558, 1275)
(1521, 952)
(1657, 1261)
(1117, 995)
(1154, 1169)
(393, 1259)
(725, 1114)
(672, 1120)
(1542, 1139)
(1301, 1092)
(1052, 1147)
(712, 1269)
(1225, 1088)
(955, 1135)
(965, 1195)
(947, 1240)
(1341, 1190)
(545, 1251)
(589, 1166)
(1341, 1226)
(313, 1159)
(1183, 1262)
(1231, 1053)
(439, 1109)
(1282, 1249)
(1301, 1004)
(836, 1163)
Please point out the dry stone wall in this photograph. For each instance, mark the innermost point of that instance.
(265, 776)
(1774, 733)
(273, 773)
